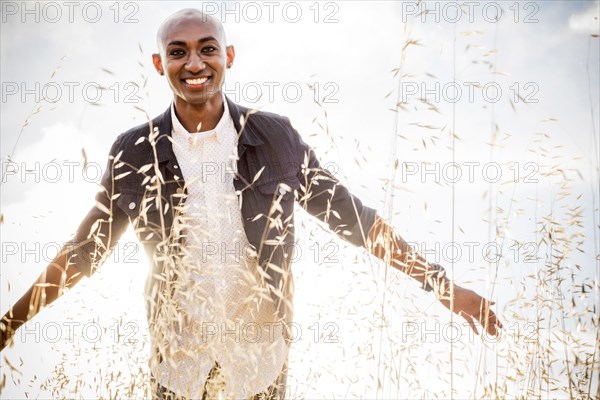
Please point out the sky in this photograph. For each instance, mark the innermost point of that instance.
(517, 84)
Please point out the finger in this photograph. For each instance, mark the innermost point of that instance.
(493, 318)
(489, 322)
(469, 320)
(491, 329)
(485, 305)
(496, 320)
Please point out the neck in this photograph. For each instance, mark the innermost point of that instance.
(200, 117)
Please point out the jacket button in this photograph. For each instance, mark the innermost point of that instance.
(131, 205)
(175, 166)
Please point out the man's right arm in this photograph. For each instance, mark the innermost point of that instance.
(98, 232)
(49, 286)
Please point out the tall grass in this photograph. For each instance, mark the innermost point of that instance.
(548, 299)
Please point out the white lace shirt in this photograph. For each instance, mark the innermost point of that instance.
(229, 317)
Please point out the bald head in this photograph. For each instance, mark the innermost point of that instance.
(193, 56)
(187, 15)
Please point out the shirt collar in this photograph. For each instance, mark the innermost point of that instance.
(220, 131)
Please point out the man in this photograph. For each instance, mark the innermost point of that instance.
(220, 244)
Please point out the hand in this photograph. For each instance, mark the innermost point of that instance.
(5, 333)
(472, 307)
(8, 328)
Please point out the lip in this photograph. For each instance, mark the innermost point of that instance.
(196, 85)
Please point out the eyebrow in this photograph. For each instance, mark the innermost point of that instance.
(201, 40)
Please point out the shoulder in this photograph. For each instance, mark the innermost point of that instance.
(266, 117)
(133, 135)
(136, 136)
(269, 127)
(260, 118)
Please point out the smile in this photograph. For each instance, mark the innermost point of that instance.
(196, 81)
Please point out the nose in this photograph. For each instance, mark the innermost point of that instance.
(195, 63)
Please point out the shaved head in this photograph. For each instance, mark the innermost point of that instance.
(193, 56)
(187, 15)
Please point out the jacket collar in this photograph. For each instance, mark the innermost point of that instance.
(239, 114)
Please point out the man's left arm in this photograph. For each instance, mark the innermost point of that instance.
(324, 197)
(390, 247)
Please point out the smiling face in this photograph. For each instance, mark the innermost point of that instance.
(193, 57)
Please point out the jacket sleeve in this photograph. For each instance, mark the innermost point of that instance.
(103, 225)
(324, 197)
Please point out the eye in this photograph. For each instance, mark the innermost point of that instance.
(176, 52)
(209, 49)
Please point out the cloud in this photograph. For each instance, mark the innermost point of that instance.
(51, 165)
(586, 21)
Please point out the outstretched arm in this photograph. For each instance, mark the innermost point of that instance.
(390, 247)
(97, 234)
(324, 197)
(49, 286)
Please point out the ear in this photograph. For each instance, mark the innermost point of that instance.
(230, 50)
(157, 64)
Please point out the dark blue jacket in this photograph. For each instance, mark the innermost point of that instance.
(143, 185)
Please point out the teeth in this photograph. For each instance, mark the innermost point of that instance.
(197, 81)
